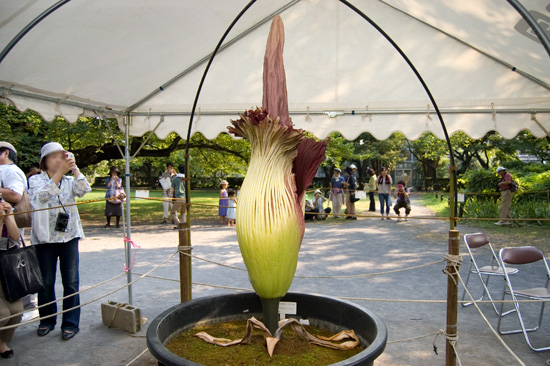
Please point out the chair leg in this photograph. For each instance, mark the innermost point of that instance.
(527, 331)
(466, 285)
(523, 329)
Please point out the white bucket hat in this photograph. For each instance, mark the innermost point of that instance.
(8, 146)
(352, 166)
(50, 148)
(501, 168)
(317, 191)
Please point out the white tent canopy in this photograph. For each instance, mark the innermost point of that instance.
(111, 57)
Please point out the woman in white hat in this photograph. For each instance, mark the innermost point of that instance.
(56, 233)
(318, 203)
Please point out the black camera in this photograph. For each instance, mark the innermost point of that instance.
(62, 222)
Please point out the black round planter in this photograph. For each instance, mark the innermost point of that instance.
(322, 311)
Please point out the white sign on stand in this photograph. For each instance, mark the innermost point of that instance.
(460, 198)
(142, 193)
(287, 308)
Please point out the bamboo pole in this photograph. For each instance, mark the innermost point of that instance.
(185, 263)
(452, 298)
(185, 240)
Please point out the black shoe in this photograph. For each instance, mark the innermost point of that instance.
(118, 226)
(43, 331)
(353, 218)
(68, 334)
(107, 225)
(7, 354)
(164, 222)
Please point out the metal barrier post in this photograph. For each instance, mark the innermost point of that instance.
(452, 299)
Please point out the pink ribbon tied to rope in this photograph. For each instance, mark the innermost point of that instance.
(136, 247)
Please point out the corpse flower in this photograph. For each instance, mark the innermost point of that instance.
(283, 162)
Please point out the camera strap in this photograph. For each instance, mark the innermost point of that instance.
(59, 198)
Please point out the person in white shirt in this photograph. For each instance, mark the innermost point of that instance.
(13, 180)
(13, 184)
(55, 233)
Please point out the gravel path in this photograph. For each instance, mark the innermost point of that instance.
(333, 247)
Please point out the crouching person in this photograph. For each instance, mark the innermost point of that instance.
(402, 201)
(56, 233)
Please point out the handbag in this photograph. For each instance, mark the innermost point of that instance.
(24, 205)
(20, 272)
(117, 193)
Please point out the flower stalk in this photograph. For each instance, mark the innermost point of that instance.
(283, 162)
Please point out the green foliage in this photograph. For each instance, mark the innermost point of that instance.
(479, 207)
(479, 180)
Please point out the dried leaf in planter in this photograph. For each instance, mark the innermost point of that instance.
(271, 341)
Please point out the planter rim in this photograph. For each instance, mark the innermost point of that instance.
(159, 351)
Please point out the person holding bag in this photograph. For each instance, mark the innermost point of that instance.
(114, 189)
(10, 238)
(56, 233)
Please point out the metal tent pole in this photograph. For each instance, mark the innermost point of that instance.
(128, 238)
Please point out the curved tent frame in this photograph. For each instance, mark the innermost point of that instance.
(531, 21)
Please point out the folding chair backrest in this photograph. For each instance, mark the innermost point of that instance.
(521, 255)
(476, 240)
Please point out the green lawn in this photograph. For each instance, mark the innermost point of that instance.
(519, 234)
(147, 211)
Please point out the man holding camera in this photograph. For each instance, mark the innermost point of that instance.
(56, 232)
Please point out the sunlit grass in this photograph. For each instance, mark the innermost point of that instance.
(148, 211)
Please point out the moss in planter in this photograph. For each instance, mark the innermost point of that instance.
(290, 351)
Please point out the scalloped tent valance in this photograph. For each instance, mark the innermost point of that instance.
(116, 57)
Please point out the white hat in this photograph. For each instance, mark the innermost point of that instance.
(8, 146)
(501, 168)
(224, 182)
(317, 191)
(352, 166)
(50, 148)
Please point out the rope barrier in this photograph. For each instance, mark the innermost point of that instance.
(487, 321)
(367, 216)
(137, 357)
(323, 277)
(78, 203)
(93, 300)
(424, 301)
(64, 297)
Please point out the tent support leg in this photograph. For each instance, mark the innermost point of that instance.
(127, 244)
(452, 300)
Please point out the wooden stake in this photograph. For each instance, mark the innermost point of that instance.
(452, 298)
(185, 261)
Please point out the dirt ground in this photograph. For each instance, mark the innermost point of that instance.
(334, 247)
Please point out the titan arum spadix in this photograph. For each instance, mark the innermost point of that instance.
(283, 162)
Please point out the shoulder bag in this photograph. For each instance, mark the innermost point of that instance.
(20, 272)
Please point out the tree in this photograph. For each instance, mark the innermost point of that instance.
(92, 142)
(365, 151)
(428, 150)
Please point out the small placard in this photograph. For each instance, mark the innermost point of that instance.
(460, 197)
(142, 193)
(361, 195)
(287, 308)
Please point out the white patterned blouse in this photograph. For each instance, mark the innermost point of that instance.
(45, 193)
